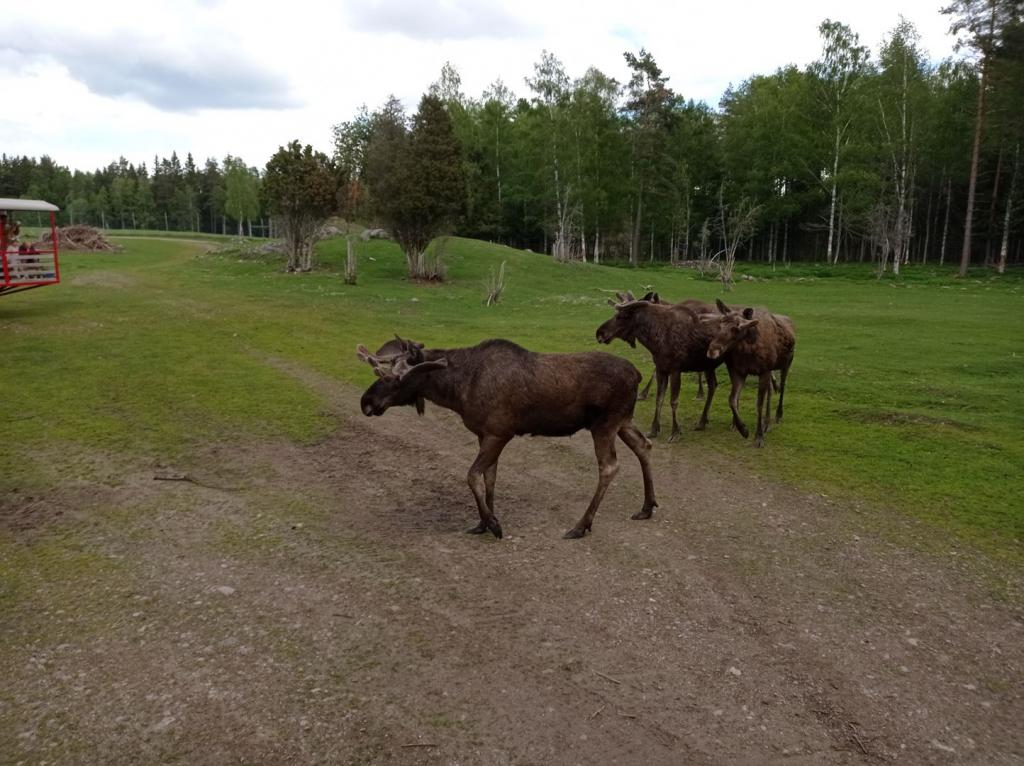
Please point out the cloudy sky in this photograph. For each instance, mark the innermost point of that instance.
(85, 82)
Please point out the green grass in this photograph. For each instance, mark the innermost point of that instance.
(904, 393)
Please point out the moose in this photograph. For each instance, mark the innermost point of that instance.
(701, 307)
(501, 390)
(678, 341)
(753, 342)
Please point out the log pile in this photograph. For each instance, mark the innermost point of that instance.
(82, 237)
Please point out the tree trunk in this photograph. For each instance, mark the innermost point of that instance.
(927, 229)
(945, 222)
(634, 254)
(832, 204)
(965, 256)
(1005, 246)
(992, 207)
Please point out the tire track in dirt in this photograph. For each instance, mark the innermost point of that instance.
(840, 637)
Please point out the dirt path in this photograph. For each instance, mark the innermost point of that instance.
(325, 607)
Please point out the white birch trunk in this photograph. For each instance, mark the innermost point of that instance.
(832, 204)
(1004, 247)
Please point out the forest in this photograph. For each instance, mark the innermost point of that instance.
(883, 156)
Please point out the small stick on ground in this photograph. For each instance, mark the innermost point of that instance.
(856, 739)
(627, 715)
(608, 678)
(186, 477)
(597, 712)
(420, 744)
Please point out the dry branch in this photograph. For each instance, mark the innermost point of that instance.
(82, 237)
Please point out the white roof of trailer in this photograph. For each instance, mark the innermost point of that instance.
(27, 204)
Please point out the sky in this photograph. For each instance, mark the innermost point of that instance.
(86, 83)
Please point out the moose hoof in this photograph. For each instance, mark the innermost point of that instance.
(574, 534)
(759, 442)
(744, 431)
(700, 426)
(653, 433)
(675, 436)
(496, 530)
(479, 529)
(643, 513)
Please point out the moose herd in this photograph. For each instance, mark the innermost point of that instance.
(501, 390)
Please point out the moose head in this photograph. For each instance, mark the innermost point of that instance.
(399, 366)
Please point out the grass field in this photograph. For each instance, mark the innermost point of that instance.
(906, 395)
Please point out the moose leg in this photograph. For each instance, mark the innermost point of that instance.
(782, 388)
(700, 386)
(642, 396)
(763, 387)
(483, 490)
(712, 385)
(604, 447)
(659, 399)
(635, 440)
(734, 403)
(674, 403)
(768, 403)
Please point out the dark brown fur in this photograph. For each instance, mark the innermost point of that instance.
(699, 306)
(501, 391)
(754, 342)
(678, 342)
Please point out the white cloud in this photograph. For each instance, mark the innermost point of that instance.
(438, 19)
(91, 81)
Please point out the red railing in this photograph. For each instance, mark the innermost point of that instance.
(31, 265)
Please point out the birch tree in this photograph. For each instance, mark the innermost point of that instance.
(899, 95)
(839, 73)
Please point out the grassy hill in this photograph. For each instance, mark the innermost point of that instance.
(905, 394)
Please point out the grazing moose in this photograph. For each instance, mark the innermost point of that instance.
(501, 390)
(753, 342)
(678, 341)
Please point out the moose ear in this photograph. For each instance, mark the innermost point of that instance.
(750, 324)
(721, 306)
(420, 405)
(612, 303)
(655, 298)
(748, 313)
(364, 354)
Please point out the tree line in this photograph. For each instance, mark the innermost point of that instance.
(859, 156)
(219, 197)
(887, 158)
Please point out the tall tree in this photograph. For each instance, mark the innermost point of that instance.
(241, 191)
(839, 72)
(901, 91)
(416, 179)
(648, 112)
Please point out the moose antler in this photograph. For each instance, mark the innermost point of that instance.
(626, 299)
(396, 365)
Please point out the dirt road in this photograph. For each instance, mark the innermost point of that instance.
(320, 604)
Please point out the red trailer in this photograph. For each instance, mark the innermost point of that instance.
(24, 264)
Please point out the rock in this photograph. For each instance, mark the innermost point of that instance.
(735, 671)
(369, 234)
(227, 590)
